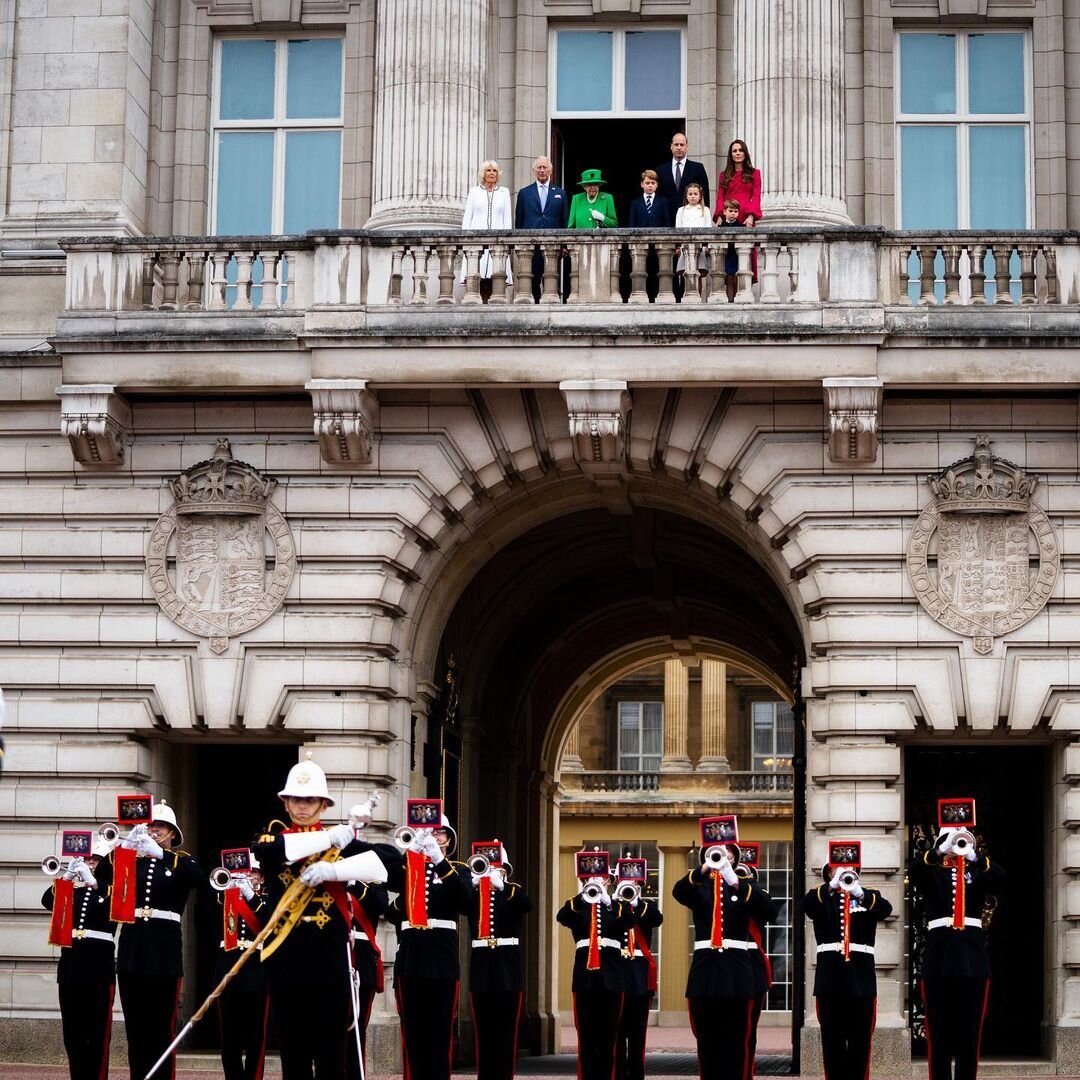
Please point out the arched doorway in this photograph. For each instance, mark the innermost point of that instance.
(553, 616)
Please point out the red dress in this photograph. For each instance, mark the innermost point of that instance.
(748, 196)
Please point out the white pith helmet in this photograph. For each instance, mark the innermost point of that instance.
(100, 848)
(444, 823)
(162, 812)
(507, 866)
(306, 780)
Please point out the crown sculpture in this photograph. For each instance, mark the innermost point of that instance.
(983, 484)
(222, 486)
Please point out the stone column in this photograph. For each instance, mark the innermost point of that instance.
(789, 106)
(571, 757)
(676, 697)
(430, 108)
(713, 716)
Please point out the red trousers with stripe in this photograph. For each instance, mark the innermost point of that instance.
(722, 1029)
(955, 1010)
(847, 1032)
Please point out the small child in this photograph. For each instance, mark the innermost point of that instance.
(730, 220)
(693, 214)
(650, 210)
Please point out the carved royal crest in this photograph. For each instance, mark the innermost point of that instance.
(983, 558)
(210, 565)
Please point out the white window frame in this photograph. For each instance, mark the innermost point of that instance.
(279, 124)
(618, 108)
(776, 767)
(963, 120)
(619, 755)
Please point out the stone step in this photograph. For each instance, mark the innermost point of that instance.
(999, 1067)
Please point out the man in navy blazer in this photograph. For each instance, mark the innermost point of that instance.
(542, 205)
(686, 170)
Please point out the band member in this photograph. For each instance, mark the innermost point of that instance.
(747, 869)
(367, 903)
(496, 982)
(85, 976)
(845, 917)
(639, 969)
(245, 1003)
(150, 954)
(308, 968)
(955, 879)
(597, 923)
(433, 893)
(721, 980)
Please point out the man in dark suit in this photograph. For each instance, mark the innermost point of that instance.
(679, 171)
(541, 205)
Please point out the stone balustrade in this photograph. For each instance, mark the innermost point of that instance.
(371, 270)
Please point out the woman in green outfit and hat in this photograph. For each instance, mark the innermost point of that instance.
(592, 208)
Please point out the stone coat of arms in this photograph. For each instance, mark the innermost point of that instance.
(209, 562)
(983, 558)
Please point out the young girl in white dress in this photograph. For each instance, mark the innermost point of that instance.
(694, 214)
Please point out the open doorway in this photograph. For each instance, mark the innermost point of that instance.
(1009, 786)
(621, 149)
(236, 794)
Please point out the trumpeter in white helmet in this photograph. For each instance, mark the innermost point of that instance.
(164, 818)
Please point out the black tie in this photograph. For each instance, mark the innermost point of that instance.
(678, 175)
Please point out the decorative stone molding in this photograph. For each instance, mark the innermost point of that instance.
(346, 419)
(97, 421)
(598, 411)
(853, 406)
(218, 584)
(977, 579)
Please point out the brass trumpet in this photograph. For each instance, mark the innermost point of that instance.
(848, 880)
(628, 892)
(716, 856)
(50, 865)
(221, 878)
(404, 835)
(109, 832)
(963, 842)
(592, 893)
(479, 864)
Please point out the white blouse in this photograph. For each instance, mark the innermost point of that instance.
(693, 217)
(488, 209)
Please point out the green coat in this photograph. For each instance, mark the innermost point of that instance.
(581, 211)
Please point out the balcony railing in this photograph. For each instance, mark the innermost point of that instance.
(349, 270)
(615, 780)
(736, 781)
(761, 782)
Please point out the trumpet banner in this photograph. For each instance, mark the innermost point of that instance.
(122, 903)
(63, 913)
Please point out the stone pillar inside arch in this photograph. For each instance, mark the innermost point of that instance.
(676, 709)
(430, 109)
(571, 758)
(789, 106)
(713, 716)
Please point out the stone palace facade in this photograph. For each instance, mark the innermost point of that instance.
(273, 479)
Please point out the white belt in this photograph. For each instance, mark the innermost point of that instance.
(242, 944)
(432, 924)
(359, 935)
(97, 935)
(491, 942)
(605, 942)
(838, 946)
(937, 924)
(145, 913)
(729, 943)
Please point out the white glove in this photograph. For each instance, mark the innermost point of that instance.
(360, 815)
(72, 870)
(149, 847)
(497, 880)
(131, 841)
(727, 872)
(597, 216)
(317, 873)
(476, 879)
(246, 891)
(605, 896)
(835, 883)
(341, 835)
(945, 844)
(427, 845)
(857, 891)
(86, 875)
(634, 903)
(970, 854)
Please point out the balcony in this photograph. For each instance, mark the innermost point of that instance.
(851, 301)
(624, 786)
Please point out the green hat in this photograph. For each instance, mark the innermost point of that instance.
(591, 176)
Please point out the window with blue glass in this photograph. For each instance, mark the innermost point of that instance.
(637, 71)
(964, 154)
(277, 135)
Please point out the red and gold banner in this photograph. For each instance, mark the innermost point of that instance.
(717, 937)
(594, 939)
(234, 909)
(959, 897)
(122, 905)
(485, 908)
(63, 913)
(416, 888)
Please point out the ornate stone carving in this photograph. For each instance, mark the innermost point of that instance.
(598, 411)
(220, 577)
(96, 420)
(346, 418)
(972, 552)
(853, 406)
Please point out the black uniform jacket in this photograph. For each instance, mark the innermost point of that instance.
(955, 952)
(577, 915)
(433, 953)
(493, 969)
(251, 978)
(155, 946)
(722, 973)
(88, 959)
(837, 977)
(375, 901)
(315, 950)
(759, 959)
(636, 967)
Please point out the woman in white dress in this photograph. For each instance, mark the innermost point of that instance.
(694, 214)
(488, 208)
